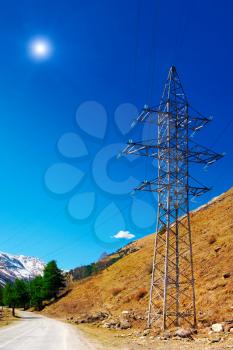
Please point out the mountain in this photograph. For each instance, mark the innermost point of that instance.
(23, 267)
(125, 284)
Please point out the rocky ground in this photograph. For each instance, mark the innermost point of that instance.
(118, 333)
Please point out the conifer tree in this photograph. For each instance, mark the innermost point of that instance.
(22, 293)
(36, 287)
(10, 297)
(53, 280)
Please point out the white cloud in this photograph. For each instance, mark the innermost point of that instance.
(124, 234)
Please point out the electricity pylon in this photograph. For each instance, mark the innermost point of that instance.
(172, 292)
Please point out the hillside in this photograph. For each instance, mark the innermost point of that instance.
(22, 267)
(124, 285)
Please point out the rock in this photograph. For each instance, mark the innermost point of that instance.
(231, 330)
(217, 249)
(125, 324)
(214, 340)
(227, 327)
(146, 332)
(163, 338)
(183, 333)
(98, 316)
(111, 324)
(125, 312)
(226, 275)
(167, 335)
(126, 315)
(217, 327)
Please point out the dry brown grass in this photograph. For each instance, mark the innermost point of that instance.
(214, 294)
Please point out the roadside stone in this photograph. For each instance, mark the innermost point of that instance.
(183, 333)
(227, 327)
(226, 275)
(217, 327)
(217, 249)
(128, 315)
(125, 324)
(125, 313)
(214, 340)
(167, 335)
(98, 316)
(146, 332)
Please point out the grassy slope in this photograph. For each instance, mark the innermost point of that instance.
(121, 286)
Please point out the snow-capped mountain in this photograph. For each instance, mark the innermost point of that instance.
(22, 267)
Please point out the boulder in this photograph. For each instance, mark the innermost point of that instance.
(217, 327)
(183, 333)
(167, 335)
(126, 315)
(214, 340)
(228, 327)
(125, 312)
(113, 324)
(98, 316)
(125, 324)
(146, 332)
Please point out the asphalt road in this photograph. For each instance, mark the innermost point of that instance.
(35, 332)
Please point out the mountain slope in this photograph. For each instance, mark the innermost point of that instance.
(23, 267)
(125, 284)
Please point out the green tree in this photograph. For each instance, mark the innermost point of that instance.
(53, 280)
(22, 293)
(10, 296)
(1, 296)
(36, 287)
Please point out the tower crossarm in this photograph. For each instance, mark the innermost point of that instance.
(152, 114)
(157, 186)
(196, 153)
(147, 149)
(201, 154)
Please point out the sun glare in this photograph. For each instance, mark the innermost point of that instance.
(40, 48)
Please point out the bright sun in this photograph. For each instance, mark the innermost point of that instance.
(40, 48)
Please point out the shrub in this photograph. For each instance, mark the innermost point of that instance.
(212, 239)
(140, 293)
(116, 291)
(149, 269)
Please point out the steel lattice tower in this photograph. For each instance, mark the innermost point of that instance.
(172, 292)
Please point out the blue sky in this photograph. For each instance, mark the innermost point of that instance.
(113, 53)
